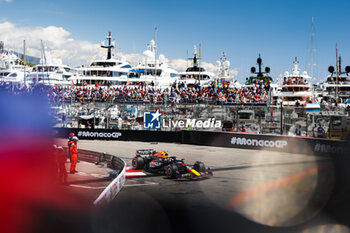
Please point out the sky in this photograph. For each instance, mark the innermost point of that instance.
(278, 30)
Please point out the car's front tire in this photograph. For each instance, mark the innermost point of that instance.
(172, 171)
(199, 167)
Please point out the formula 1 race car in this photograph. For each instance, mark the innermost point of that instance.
(161, 163)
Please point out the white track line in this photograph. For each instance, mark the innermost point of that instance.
(86, 187)
(146, 183)
(134, 174)
(93, 175)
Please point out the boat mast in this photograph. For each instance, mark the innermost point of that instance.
(259, 61)
(155, 55)
(44, 62)
(110, 46)
(200, 61)
(313, 50)
(187, 58)
(24, 58)
(337, 64)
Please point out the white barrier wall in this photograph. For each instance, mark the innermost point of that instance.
(112, 189)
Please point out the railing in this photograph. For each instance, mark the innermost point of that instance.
(170, 100)
(118, 173)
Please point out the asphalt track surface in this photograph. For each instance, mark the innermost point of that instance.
(251, 191)
(90, 179)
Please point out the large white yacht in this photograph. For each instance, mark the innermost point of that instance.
(152, 71)
(196, 74)
(50, 71)
(337, 85)
(223, 66)
(108, 72)
(12, 69)
(295, 87)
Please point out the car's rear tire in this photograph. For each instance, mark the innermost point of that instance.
(138, 162)
(199, 166)
(146, 165)
(172, 171)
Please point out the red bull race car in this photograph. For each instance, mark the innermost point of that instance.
(161, 163)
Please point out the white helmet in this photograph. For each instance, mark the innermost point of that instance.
(75, 138)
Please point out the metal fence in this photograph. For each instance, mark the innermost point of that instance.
(253, 118)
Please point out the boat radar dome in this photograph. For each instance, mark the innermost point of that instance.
(161, 58)
(347, 69)
(259, 60)
(148, 54)
(331, 69)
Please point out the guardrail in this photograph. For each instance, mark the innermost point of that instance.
(125, 100)
(111, 191)
(119, 170)
(298, 145)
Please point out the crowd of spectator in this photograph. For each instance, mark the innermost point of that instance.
(294, 81)
(177, 94)
(148, 94)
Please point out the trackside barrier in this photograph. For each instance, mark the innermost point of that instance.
(290, 144)
(111, 191)
(124, 135)
(297, 145)
(119, 167)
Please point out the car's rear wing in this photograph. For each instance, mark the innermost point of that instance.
(146, 152)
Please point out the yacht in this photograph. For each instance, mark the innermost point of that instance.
(337, 85)
(12, 70)
(263, 80)
(295, 88)
(318, 91)
(223, 75)
(108, 72)
(51, 72)
(152, 71)
(259, 77)
(196, 74)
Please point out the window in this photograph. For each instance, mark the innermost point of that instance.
(104, 64)
(134, 75)
(4, 73)
(126, 66)
(336, 122)
(244, 115)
